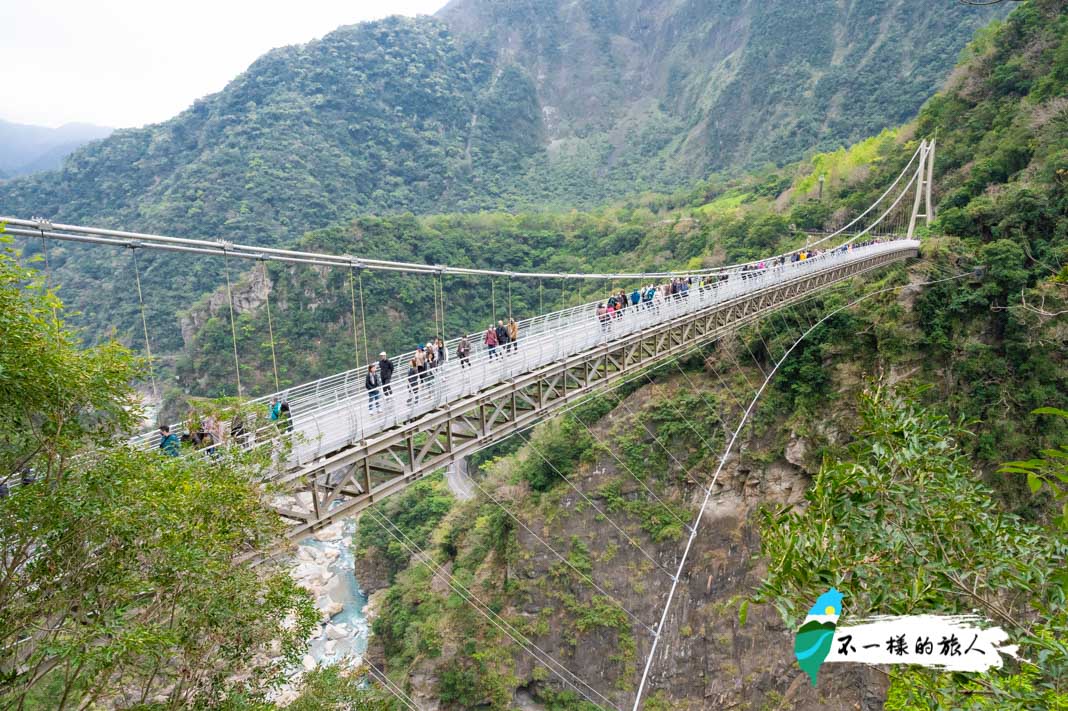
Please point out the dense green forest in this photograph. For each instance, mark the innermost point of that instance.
(434, 116)
(909, 451)
(973, 359)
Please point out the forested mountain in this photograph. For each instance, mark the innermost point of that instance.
(851, 473)
(654, 92)
(26, 149)
(873, 462)
(495, 105)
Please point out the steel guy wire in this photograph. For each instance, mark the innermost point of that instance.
(394, 689)
(468, 596)
(494, 618)
(588, 500)
(583, 576)
(630, 471)
(723, 459)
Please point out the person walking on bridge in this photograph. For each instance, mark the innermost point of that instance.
(491, 341)
(168, 442)
(413, 381)
(502, 336)
(285, 416)
(422, 365)
(385, 371)
(463, 352)
(513, 335)
(373, 383)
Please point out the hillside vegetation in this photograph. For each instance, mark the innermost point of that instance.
(860, 419)
(492, 106)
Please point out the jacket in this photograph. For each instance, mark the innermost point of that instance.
(491, 338)
(385, 369)
(373, 381)
(170, 444)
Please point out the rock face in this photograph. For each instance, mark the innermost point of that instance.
(375, 572)
(705, 659)
(249, 294)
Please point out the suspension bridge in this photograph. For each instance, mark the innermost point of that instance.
(344, 451)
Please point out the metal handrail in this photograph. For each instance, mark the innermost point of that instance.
(327, 415)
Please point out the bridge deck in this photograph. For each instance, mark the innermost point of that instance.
(338, 414)
(346, 456)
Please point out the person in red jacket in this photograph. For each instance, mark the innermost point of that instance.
(491, 341)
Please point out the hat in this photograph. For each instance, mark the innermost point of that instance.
(382, 354)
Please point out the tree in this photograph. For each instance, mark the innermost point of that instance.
(1050, 470)
(119, 579)
(901, 525)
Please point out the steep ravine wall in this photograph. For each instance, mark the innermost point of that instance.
(706, 658)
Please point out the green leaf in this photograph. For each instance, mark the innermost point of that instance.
(1050, 411)
(1034, 482)
(743, 613)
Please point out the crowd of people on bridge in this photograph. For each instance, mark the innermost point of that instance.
(206, 433)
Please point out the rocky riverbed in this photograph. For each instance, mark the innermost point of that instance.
(323, 564)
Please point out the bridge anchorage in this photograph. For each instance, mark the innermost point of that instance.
(344, 455)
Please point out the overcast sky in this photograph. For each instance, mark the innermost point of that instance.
(126, 63)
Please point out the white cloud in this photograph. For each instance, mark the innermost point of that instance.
(130, 62)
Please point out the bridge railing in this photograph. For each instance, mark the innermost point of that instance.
(329, 414)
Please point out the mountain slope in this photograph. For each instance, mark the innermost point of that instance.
(371, 117)
(986, 350)
(672, 89)
(408, 115)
